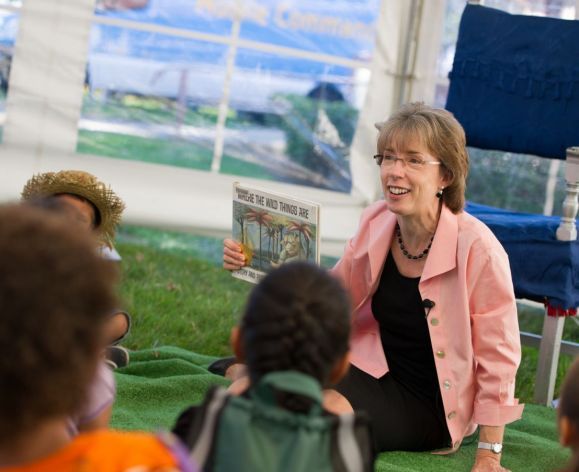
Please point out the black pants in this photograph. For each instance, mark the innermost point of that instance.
(400, 419)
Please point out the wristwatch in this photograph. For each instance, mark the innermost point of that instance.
(493, 447)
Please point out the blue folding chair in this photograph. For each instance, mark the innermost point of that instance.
(514, 86)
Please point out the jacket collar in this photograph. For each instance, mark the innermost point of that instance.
(442, 255)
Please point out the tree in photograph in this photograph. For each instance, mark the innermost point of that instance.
(280, 230)
(303, 229)
(271, 234)
(239, 215)
(262, 218)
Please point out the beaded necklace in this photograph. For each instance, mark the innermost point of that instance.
(403, 248)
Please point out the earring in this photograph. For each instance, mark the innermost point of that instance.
(439, 193)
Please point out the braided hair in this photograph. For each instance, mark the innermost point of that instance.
(296, 318)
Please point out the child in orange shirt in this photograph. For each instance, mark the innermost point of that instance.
(55, 297)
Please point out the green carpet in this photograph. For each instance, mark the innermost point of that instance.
(159, 383)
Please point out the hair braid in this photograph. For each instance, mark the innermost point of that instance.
(297, 318)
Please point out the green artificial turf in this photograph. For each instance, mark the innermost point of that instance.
(160, 383)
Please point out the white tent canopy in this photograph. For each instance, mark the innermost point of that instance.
(45, 98)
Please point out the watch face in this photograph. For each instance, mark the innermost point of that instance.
(496, 448)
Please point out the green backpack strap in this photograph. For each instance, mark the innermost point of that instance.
(288, 381)
(353, 453)
(201, 439)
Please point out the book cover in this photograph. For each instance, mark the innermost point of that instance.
(273, 229)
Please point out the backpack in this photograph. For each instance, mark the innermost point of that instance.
(234, 433)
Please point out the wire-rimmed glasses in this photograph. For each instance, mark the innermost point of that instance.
(410, 162)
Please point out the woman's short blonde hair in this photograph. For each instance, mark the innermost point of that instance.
(443, 136)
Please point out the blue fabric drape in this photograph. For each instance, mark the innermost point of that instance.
(514, 84)
(543, 268)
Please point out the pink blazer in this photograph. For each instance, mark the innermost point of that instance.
(473, 325)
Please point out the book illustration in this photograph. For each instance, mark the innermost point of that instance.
(273, 230)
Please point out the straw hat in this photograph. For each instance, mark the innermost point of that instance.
(76, 182)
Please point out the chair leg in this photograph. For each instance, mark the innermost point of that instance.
(548, 359)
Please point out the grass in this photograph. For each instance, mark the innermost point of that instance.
(176, 291)
(178, 295)
(531, 320)
(179, 300)
(158, 110)
(173, 152)
(160, 150)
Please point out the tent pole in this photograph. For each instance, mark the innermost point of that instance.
(410, 50)
(224, 102)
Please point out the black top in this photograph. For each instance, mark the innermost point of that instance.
(398, 309)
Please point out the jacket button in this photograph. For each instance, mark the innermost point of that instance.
(434, 321)
(440, 354)
(447, 384)
(451, 415)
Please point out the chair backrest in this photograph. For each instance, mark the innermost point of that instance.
(514, 87)
(514, 84)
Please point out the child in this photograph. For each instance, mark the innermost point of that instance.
(295, 331)
(97, 408)
(569, 415)
(55, 295)
(95, 207)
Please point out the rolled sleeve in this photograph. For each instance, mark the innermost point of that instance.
(492, 414)
(496, 341)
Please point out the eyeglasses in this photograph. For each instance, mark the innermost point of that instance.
(413, 163)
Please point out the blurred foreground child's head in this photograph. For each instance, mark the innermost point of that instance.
(569, 414)
(296, 318)
(55, 295)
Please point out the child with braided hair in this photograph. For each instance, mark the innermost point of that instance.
(295, 329)
(569, 415)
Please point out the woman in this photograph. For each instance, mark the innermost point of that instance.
(435, 341)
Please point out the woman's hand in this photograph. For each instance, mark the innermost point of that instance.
(485, 463)
(233, 257)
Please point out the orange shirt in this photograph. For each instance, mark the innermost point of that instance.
(109, 451)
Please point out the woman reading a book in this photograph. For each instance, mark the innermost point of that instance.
(435, 338)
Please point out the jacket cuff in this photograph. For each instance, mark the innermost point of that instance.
(492, 414)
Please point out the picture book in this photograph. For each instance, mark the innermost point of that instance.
(273, 229)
